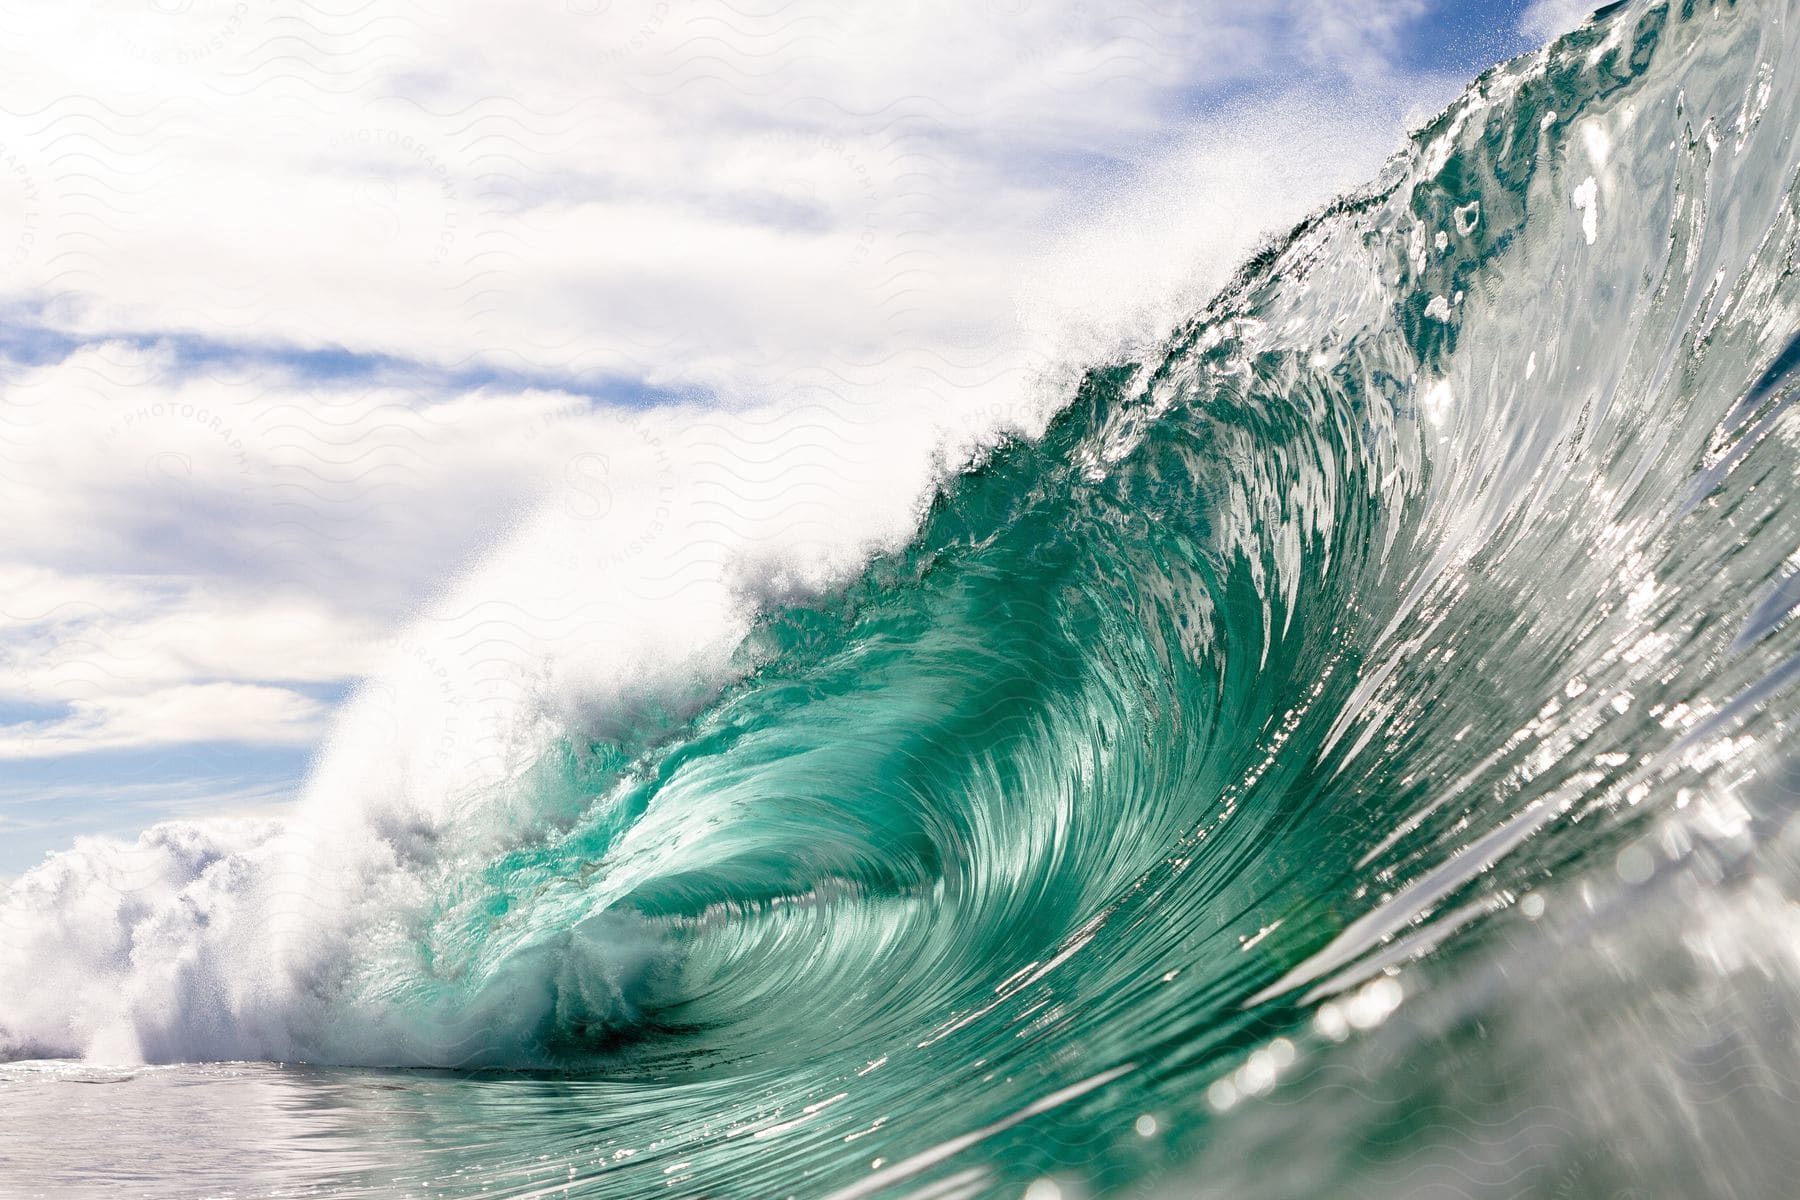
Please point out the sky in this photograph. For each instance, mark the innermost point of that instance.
(303, 310)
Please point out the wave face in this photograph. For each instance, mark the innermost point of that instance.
(1346, 751)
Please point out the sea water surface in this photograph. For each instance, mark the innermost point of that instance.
(1345, 755)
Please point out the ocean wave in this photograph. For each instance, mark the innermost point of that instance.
(1271, 707)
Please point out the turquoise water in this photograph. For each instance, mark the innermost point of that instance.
(1345, 755)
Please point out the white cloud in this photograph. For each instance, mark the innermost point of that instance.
(172, 529)
(235, 712)
(689, 194)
